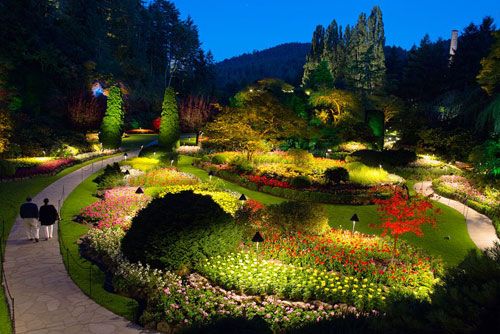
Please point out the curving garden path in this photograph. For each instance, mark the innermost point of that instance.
(480, 228)
(46, 299)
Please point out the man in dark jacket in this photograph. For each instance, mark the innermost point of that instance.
(29, 214)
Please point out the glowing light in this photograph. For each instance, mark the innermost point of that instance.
(98, 90)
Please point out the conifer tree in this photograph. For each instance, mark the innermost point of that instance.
(112, 123)
(169, 127)
(321, 76)
(316, 55)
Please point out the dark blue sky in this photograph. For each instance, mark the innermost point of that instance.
(232, 27)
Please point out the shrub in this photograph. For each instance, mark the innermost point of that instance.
(364, 175)
(301, 181)
(112, 123)
(143, 164)
(7, 168)
(110, 178)
(179, 230)
(219, 159)
(371, 158)
(336, 175)
(301, 158)
(169, 125)
(303, 217)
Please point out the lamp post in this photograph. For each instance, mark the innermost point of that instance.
(154, 153)
(257, 238)
(125, 155)
(354, 219)
(171, 160)
(127, 175)
(242, 199)
(210, 174)
(139, 191)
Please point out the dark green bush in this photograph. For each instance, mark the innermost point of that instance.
(168, 135)
(301, 181)
(371, 158)
(110, 178)
(7, 168)
(219, 159)
(291, 216)
(179, 230)
(336, 175)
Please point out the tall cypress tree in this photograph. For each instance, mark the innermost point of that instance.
(316, 54)
(112, 123)
(169, 127)
(376, 43)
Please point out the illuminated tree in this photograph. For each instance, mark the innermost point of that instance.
(112, 123)
(84, 112)
(489, 77)
(259, 124)
(402, 214)
(334, 105)
(169, 126)
(194, 112)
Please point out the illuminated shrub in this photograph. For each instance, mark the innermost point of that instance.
(303, 217)
(112, 123)
(110, 178)
(178, 230)
(169, 124)
(336, 175)
(219, 159)
(301, 158)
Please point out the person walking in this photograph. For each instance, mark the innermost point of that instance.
(29, 214)
(48, 216)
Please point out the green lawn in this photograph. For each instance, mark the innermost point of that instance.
(451, 222)
(70, 232)
(12, 195)
(134, 141)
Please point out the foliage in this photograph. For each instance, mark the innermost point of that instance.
(194, 112)
(180, 230)
(116, 209)
(401, 215)
(321, 76)
(455, 145)
(111, 177)
(354, 56)
(488, 119)
(301, 158)
(488, 77)
(162, 177)
(85, 112)
(46, 167)
(142, 164)
(5, 129)
(169, 126)
(336, 175)
(289, 217)
(7, 168)
(365, 175)
(301, 181)
(473, 289)
(259, 123)
(371, 158)
(375, 120)
(112, 123)
(337, 107)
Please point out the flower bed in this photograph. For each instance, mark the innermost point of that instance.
(459, 188)
(45, 167)
(163, 177)
(116, 209)
(245, 272)
(294, 280)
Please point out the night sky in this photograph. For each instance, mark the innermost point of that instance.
(232, 27)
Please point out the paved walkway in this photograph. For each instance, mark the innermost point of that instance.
(46, 299)
(480, 228)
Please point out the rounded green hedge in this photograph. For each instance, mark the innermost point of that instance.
(178, 230)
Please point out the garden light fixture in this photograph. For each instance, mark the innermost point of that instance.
(125, 155)
(171, 160)
(127, 173)
(242, 199)
(139, 191)
(405, 188)
(257, 238)
(354, 219)
(210, 174)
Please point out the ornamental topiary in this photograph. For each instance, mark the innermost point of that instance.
(112, 123)
(336, 175)
(179, 230)
(169, 125)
